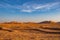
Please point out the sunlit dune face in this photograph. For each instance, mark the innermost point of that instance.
(17, 31)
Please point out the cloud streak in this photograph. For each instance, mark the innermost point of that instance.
(28, 7)
(36, 7)
(6, 5)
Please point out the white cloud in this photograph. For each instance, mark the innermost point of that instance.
(29, 7)
(26, 10)
(35, 7)
(40, 6)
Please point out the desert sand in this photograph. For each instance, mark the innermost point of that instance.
(29, 31)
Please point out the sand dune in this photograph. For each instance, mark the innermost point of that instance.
(29, 31)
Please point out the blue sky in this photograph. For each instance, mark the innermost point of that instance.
(29, 10)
